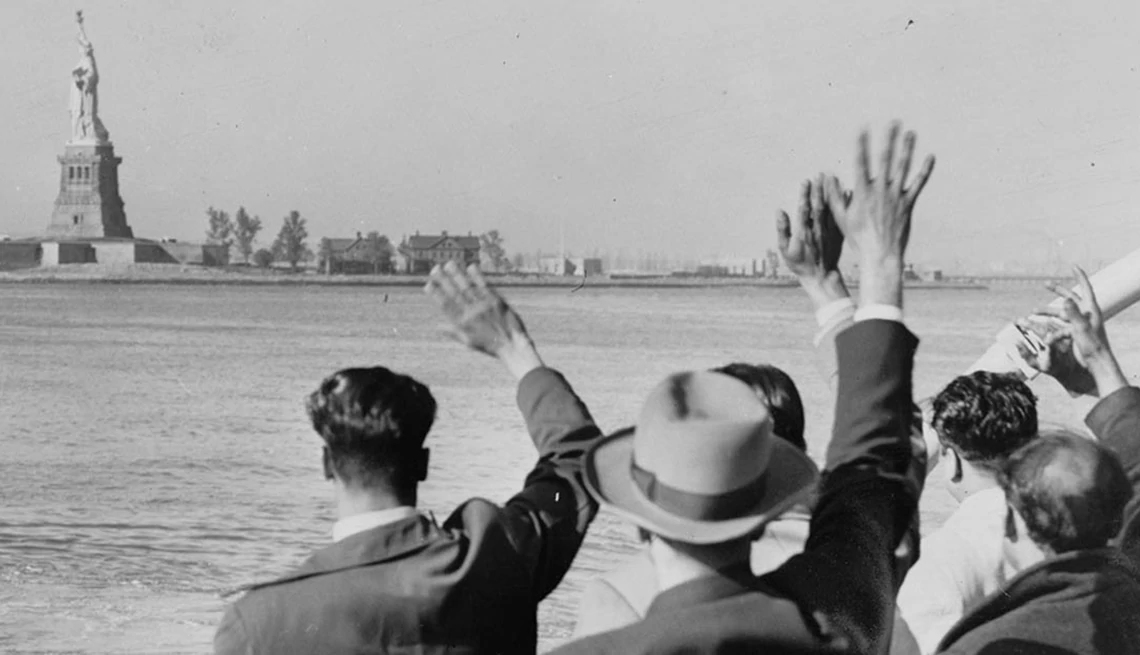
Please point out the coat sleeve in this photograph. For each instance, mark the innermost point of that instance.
(1115, 420)
(827, 363)
(846, 578)
(547, 520)
(825, 356)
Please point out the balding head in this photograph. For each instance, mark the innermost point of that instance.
(1069, 490)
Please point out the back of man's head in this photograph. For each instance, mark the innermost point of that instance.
(985, 416)
(1069, 490)
(374, 423)
(777, 390)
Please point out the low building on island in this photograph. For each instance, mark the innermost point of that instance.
(20, 253)
(363, 255)
(585, 266)
(419, 253)
(730, 267)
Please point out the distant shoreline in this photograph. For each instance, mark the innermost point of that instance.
(172, 274)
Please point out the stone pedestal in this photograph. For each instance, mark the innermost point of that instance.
(89, 205)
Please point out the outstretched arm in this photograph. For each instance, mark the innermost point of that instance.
(867, 502)
(548, 519)
(811, 246)
(84, 42)
(1117, 287)
(1078, 355)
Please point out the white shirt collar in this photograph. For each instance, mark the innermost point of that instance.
(357, 523)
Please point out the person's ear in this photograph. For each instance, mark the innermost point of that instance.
(326, 463)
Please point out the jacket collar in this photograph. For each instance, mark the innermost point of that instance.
(350, 525)
(725, 583)
(1071, 575)
(380, 544)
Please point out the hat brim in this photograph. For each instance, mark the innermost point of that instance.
(792, 477)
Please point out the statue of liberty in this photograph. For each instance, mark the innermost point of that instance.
(85, 124)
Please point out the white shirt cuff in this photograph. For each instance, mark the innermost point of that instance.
(882, 312)
(833, 310)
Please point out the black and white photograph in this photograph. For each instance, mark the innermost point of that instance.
(601, 327)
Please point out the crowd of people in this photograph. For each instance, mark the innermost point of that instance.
(748, 547)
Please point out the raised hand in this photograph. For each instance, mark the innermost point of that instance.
(480, 319)
(1082, 312)
(812, 246)
(1078, 354)
(1047, 345)
(827, 231)
(875, 218)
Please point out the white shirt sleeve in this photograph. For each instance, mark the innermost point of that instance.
(879, 311)
(833, 310)
(830, 316)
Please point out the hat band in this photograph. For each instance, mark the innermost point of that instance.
(697, 506)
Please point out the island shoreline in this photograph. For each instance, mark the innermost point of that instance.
(183, 276)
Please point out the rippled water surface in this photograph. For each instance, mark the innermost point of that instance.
(155, 449)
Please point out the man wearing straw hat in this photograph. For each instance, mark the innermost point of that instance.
(688, 473)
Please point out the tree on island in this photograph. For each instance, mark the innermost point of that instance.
(290, 245)
(378, 251)
(492, 253)
(245, 230)
(221, 228)
(263, 258)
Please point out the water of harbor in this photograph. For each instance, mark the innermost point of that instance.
(155, 450)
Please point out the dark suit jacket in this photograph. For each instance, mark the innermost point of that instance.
(838, 595)
(1083, 602)
(471, 585)
(1086, 602)
(1115, 420)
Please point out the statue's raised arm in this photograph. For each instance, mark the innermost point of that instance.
(84, 42)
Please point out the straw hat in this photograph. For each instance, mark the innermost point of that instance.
(701, 465)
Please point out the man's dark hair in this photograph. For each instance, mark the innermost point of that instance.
(985, 417)
(775, 388)
(1069, 490)
(374, 422)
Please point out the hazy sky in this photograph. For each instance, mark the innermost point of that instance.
(677, 127)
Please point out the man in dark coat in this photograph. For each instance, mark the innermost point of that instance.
(395, 581)
(1073, 508)
(838, 594)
